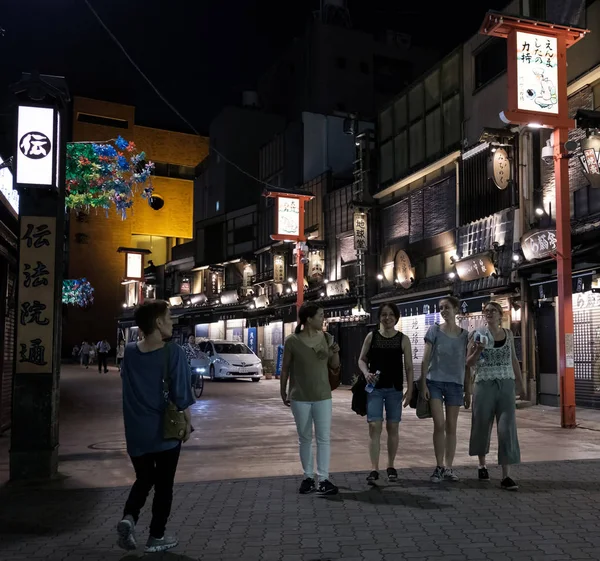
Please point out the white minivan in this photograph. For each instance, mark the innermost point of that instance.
(227, 360)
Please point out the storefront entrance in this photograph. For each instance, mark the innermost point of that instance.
(350, 338)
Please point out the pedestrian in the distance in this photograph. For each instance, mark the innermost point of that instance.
(154, 458)
(75, 353)
(444, 382)
(492, 354)
(120, 353)
(307, 354)
(103, 348)
(85, 351)
(384, 350)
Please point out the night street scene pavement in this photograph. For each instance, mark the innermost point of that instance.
(236, 488)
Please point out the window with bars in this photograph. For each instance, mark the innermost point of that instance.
(422, 124)
(421, 215)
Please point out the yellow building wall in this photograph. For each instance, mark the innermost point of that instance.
(97, 259)
(175, 219)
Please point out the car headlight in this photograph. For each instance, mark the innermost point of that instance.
(200, 370)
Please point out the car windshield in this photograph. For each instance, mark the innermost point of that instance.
(232, 349)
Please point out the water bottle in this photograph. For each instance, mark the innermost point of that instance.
(371, 386)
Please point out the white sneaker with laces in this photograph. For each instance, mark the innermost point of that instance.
(450, 475)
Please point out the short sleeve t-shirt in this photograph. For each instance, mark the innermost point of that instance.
(143, 400)
(309, 375)
(448, 356)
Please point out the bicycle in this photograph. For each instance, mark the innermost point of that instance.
(198, 385)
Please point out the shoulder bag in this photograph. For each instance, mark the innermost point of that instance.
(174, 423)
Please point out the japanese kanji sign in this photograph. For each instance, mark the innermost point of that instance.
(538, 244)
(36, 150)
(361, 233)
(35, 311)
(403, 269)
(537, 73)
(288, 217)
(475, 267)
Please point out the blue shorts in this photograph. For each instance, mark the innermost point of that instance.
(391, 398)
(447, 392)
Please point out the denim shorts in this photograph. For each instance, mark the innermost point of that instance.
(447, 392)
(391, 398)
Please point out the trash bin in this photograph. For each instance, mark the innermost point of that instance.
(279, 362)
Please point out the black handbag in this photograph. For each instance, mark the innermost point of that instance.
(359, 396)
(415, 396)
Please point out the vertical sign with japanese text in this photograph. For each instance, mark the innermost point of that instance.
(35, 311)
(361, 235)
(288, 217)
(36, 153)
(537, 73)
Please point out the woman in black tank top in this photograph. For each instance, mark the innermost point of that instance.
(383, 352)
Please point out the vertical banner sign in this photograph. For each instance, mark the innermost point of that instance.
(537, 73)
(278, 269)
(288, 217)
(361, 235)
(35, 312)
(36, 156)
(252, 333)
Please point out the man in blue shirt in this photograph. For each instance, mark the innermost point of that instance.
(153, 457)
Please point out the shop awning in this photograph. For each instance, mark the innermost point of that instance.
(548, 288)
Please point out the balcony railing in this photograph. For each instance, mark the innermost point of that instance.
(265, 276)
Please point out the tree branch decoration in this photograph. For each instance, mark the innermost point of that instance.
(77, 292)
(103, 174)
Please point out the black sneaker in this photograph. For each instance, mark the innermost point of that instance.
(327, 488)
(483, 474)
(307, 486)
(508, 484)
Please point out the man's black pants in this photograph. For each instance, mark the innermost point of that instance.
(102, 362)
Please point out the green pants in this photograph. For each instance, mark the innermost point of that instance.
(495, 399)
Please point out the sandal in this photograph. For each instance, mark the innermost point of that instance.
(392, 475)
(373, 476)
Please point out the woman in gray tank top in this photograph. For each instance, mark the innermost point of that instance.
(443, 382)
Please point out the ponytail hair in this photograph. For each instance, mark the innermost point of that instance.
(307, 310)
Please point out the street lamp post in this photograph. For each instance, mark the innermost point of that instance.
(39, 178)
(289, 227)
(134, 269)
(537, 97)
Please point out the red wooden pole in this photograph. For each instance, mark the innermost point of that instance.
(299, 264)
(565, 286)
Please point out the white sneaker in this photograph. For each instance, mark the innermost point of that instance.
(153, 545)
(450, 475)
(126, 531)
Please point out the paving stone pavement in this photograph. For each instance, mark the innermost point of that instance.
(553, 517)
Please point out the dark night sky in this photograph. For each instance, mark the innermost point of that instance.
(199, 53)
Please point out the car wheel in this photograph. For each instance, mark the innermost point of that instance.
(256, 379)
(212, 373)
